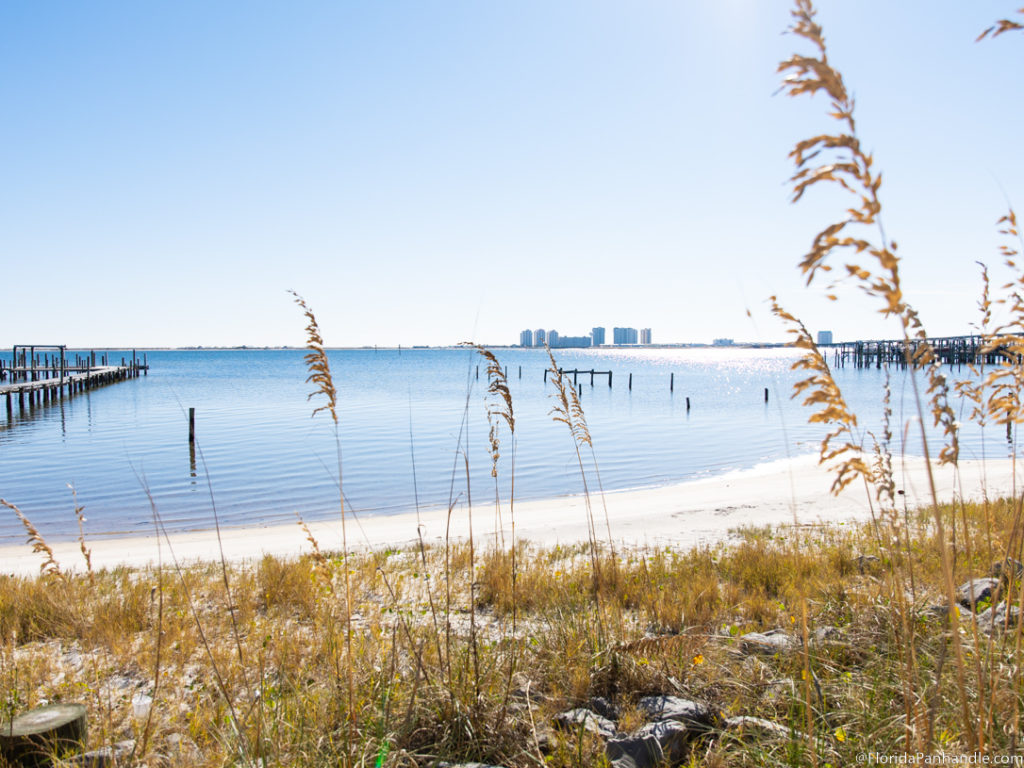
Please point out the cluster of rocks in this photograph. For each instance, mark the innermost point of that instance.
(984, 597)
(673, 724)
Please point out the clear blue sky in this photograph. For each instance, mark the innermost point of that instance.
(428, 172)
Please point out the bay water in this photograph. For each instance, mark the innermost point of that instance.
(410, 421)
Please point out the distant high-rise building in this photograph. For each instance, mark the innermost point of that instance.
(569, 341)
(597, 336)
(552, 338)
(824, 338)
(526, 338)
(645, 335)
(624, 335)
(539, 337)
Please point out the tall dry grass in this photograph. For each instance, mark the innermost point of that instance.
(837, 158)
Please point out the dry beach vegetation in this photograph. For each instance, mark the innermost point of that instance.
(790, 646)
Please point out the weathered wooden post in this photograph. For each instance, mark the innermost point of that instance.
(609, 379)
(31, 738)
(766, 394)
(631, 382)
(687, 404)
(671, 382)
(191, 425)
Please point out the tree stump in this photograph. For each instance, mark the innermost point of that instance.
(33, 737)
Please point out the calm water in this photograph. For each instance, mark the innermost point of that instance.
(262, 458)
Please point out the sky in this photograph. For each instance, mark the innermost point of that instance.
(429, 172)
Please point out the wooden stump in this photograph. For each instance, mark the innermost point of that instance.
(32, 737)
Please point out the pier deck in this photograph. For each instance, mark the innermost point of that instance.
(948, 350)
(34, 381)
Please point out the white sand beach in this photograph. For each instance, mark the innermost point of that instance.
(784, 492)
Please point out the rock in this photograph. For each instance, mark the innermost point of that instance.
(114, 756)
(650, 746)
(826, 633)
(182, 750)
(771, 642)
(465, 765)
(695, 715)
(576, 719)
(867, 562)
(1007, 569)
(757, 725)
(994, 617)
(974, 590)
(604, 708)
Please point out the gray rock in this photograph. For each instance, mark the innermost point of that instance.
(826, 633)
(1007, 569)
(867, 562)
(769, 643)
(695, 715)
(603, 707)
(113, 756)
(576, 719)
(973, 590)
(181, 749)
(465, 765)
(650, 746)
(995, 617)
(756, 725)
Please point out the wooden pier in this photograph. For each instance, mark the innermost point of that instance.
(576, 373)
(949, 350)
(42, 374)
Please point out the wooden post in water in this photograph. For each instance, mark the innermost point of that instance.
(671, 382)
(191, 425)
(687, 404)
(609, 379)
(766, 394)
(581, 390)
(520, 371)
(631, 382)
(545, 375)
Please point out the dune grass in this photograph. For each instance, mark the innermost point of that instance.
(672, 622)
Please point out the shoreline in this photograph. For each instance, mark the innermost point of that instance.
(687, 514)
